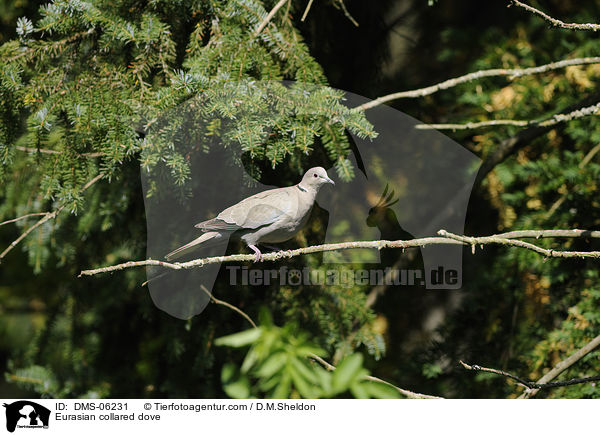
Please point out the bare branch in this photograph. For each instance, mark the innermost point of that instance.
(554, 21)
(45, 151)
(497, 72)
(548, 122)
(268, 18)
(46, 218)
(562, 366)
(473, 125)
(87, 185)
(498, 240)
(342, 6)
(445, 239)
(23, 217)
(273, 256)
(43, 220)
(228, 305)
(545, 234)
(310, 2)
(523, 138)
(530, 384)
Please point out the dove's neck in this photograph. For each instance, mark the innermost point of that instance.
(307, 190)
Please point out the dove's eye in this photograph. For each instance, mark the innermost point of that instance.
(315, 175)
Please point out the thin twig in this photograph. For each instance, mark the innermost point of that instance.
(547, 122)
(445, 239)
(472, 125)
(407, 393)
(43, 220)
(310, 2)
(554, 21)
(47, 217)
(346, 13)
(228, 305)
(523, 138)
(549, 234)
(562, 366)
(268, 18)
(497, 72)
(530, 384)
(23, 217)
(46, 151)
(498, 240)
(588, 157)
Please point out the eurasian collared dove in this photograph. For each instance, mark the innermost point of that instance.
(272, 216)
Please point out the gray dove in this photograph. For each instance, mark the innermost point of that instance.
(272, 216)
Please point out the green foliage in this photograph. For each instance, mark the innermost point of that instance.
(542, 311)
(278, 365)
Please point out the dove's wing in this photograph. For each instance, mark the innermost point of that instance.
(261, 209)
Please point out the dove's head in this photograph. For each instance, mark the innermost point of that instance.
(315, 178)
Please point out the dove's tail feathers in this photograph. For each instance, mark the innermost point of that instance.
(217, 224)
(206, 240)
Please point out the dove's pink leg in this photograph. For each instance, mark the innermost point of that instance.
(257, 251)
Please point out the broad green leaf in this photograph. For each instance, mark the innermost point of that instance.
(305, 370)
(235, 384)
(250, 360)
(240, 389)
(240, 339)
(284, 388)
(381, 391)
(273, 364)
(305, 389)
(359, 391)
(346, 372)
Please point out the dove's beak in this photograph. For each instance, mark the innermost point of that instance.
(329, 180)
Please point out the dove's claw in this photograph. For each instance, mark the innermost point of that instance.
(258, 253)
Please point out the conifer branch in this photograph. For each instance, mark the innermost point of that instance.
(30, 52)
(547, 122)
(269, 16)
(530, 384)
(562, 366)
(511, 73)
(554, 21)
(446, 238)
(46, 217)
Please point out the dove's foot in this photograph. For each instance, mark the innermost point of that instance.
(257, 251)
